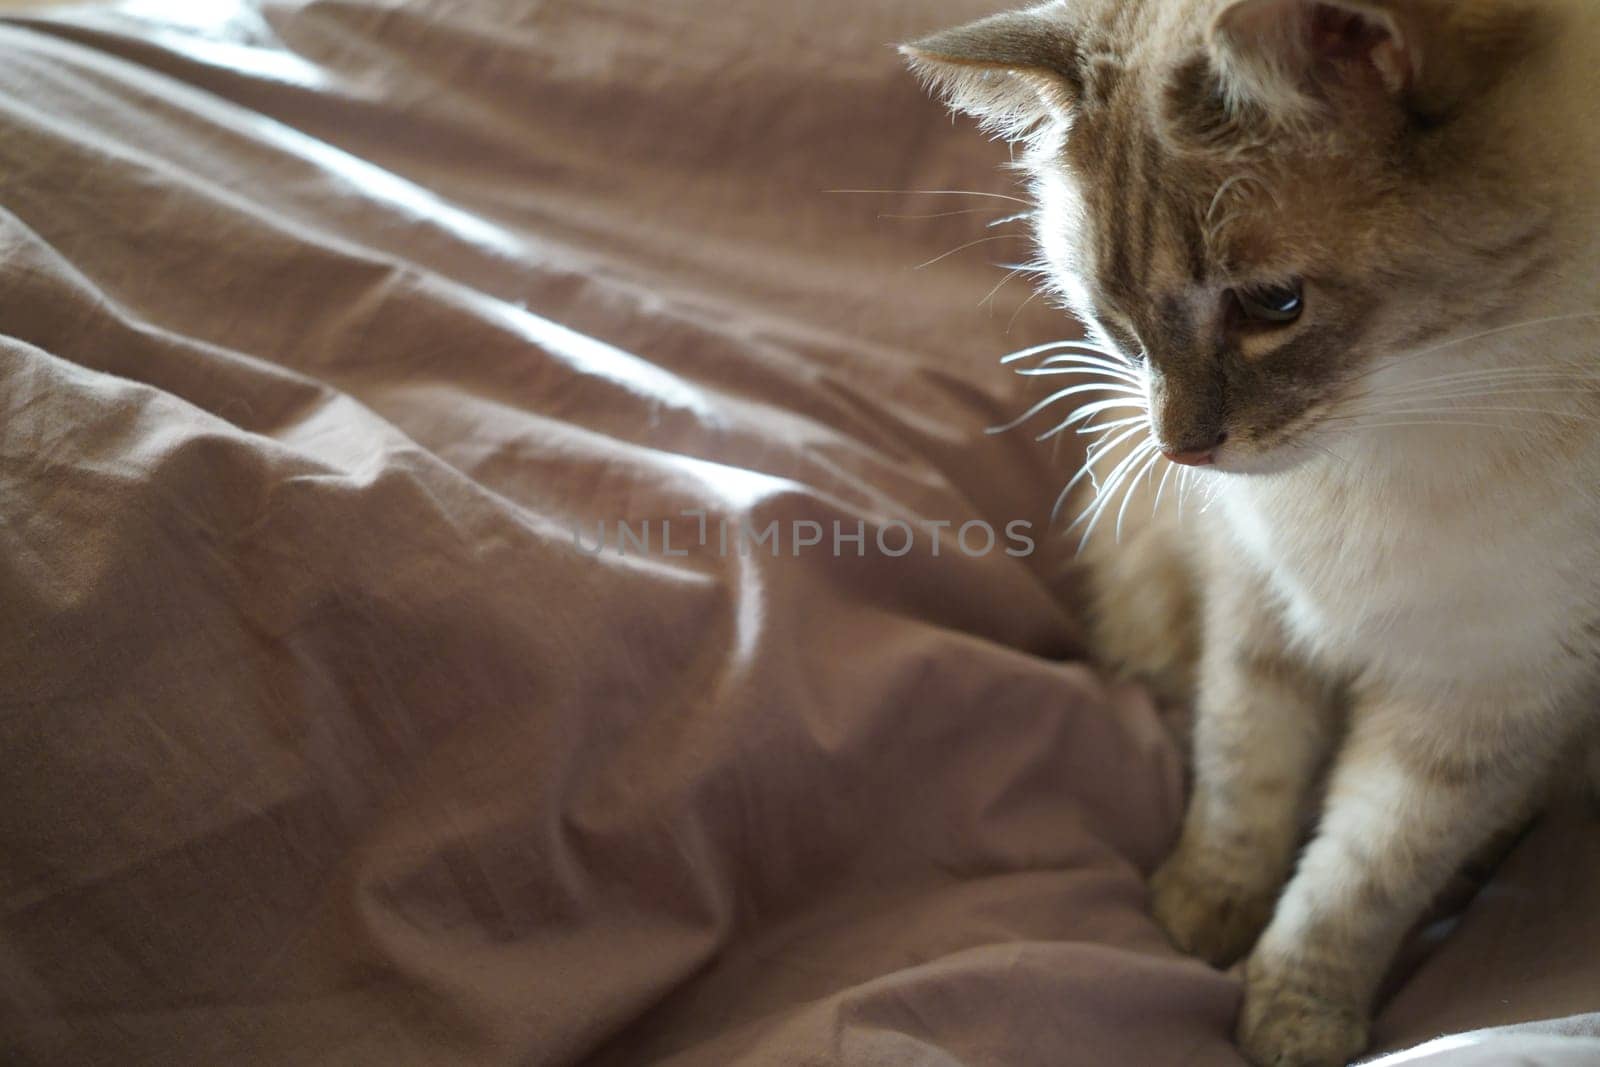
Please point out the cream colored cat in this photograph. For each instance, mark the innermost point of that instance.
(1346, 255)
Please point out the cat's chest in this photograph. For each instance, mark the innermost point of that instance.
(1391, 581)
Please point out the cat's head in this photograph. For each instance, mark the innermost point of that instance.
(1266, 203)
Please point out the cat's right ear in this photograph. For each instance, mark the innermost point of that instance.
(1014, 71)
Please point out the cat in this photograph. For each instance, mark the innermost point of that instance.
(1339, 260)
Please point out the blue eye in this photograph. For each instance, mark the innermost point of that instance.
(1271, 304)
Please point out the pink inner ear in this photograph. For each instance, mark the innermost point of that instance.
(1339, 33)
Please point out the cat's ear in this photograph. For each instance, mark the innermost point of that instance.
(1293, 57)
(1013, 71)
(1285, 56)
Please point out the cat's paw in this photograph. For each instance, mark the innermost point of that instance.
(1286, 1025)
(1205, 915)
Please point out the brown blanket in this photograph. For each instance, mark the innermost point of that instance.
(334, 335)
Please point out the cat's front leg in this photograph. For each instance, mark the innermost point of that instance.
(1415, 791)
(1263, 725)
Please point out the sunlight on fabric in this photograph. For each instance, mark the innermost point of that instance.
(739, 491)
(589, 355)
(216, 17)
(1432, 1048)
(379, 184)
(262, 63)
(232, 35)
(735, 487)
(223, 33)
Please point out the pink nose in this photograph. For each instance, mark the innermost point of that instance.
(1196, 457)
(1200, 458)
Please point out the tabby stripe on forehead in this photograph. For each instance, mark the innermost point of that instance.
(1191, 233)
(1148, 183)
(1115, 217)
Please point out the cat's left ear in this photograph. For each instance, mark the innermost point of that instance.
(1013, 71)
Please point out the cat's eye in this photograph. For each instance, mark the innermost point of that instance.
(1275, 305)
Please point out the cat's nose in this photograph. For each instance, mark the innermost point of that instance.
(1196, 457)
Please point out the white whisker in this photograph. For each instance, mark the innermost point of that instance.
(1096, 451)
(1113, 483)
(1492, 379)
(1503, 329)
(1089, 411)
(1115, 424)
(1417, 423)
(1053, 346)
(1491, 390)
(1222, 191)
(969, 244)
(1017, 314)
(1107, 384)
(1110, 385)
(1114, 479)
(1162, 488)
(1127, 493)
(1054, 398)
(1001, 284)
(1120, 371)
(1010, 218)
(940, 214)
(1479, 410)
(934, 192)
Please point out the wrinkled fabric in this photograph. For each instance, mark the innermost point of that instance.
(1568, 1042)
(341, 724)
